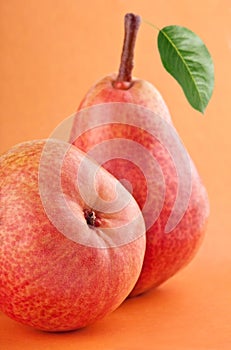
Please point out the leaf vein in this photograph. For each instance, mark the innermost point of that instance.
(184, 62)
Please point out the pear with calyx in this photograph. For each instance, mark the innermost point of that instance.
(72, 238)
(132, 135)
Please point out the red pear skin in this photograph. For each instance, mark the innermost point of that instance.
(47, 280)
(165, 253)
(141, 92)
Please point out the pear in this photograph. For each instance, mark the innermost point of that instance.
(121, 116)
(70, 251)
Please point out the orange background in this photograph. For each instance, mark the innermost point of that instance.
(52, 51)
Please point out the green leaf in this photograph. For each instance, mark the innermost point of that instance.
(186, 58)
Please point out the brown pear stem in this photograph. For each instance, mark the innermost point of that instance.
(131, 26)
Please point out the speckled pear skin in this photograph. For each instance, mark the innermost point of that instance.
(165, 253)
(48, 281)
(141, 92)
